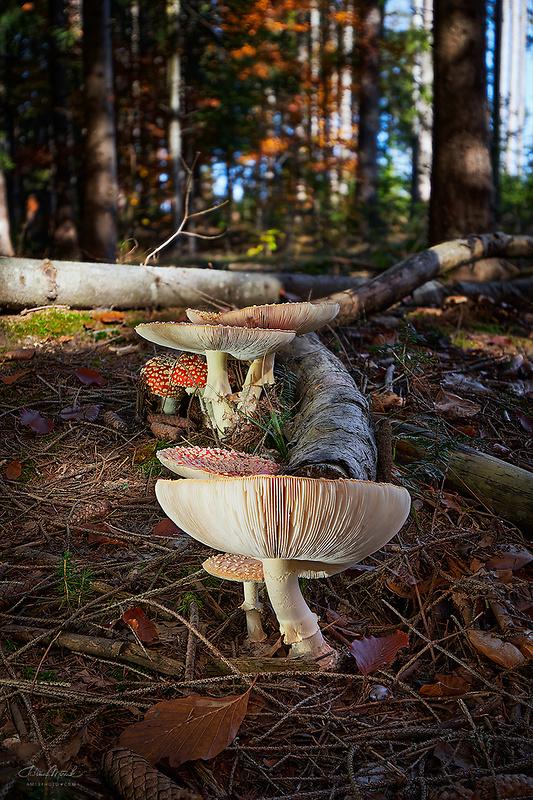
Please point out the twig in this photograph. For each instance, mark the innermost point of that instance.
(191, 641)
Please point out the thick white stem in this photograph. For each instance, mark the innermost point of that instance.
(260, 373)
(169, 406)
(217, 388)
(296, 620)
(253, 607)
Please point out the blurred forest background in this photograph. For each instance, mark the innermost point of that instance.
(323, 124)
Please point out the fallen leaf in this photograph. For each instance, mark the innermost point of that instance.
(445, 686)
(187, 728)
(373, 652)
(34, 420)
(456, 753)
(139, 622)
(513, 558)
(111, 316)
(21, 354)
(526, 422)
(462, 382)
(448, 501)
(380, 403)
(452, 405)
(167, 529)
(13, 470)
(89, 376)
(17, 376)
(503, 653)
(78, 413)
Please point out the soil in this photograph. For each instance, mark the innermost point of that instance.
(86, 547)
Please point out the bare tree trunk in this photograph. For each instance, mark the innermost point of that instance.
(6, 246)
(422, 83)
(65, 244)
(462, 192)
(100, 197)
(174, 128)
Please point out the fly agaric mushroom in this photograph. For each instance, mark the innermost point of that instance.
(213, 462)
(299, 317)
(249, 572)
(295, 526)
(216, 341)
(170, 380)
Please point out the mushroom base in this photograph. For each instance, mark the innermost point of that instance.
(316, 647)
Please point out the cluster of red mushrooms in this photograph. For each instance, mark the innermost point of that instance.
(274, 528)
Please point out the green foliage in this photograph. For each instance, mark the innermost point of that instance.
(75, 584)
(516, 202)
(185, 601)
(49, 322)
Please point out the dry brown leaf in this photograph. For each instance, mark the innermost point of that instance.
(490, 645)
(139, 622)
(34, 421)
(21, 354)
(107, 317)
(89, 376)
(13, 470)
(373, 652)
(452, 405)
(187, 728)
(445, 686)
(167, 529)
(8, 380)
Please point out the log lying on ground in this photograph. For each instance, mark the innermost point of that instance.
(400, 280)
(501, 487)
(331, 433)
(27, 283)
(517, 292)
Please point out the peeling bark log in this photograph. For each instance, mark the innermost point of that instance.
(331, 433)
(400, 280)
(501, 487)
(26, 283)
(517, 292)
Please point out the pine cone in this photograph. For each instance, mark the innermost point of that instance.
(133, 778)
(509, 786)
(451, 794)
(85, 512)
(112, 420)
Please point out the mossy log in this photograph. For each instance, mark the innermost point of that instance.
(331, 433)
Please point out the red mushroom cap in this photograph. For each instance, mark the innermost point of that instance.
(214, 462)
(167, 377)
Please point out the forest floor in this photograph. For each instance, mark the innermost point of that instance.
(85, 548)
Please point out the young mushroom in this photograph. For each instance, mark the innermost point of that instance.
(249, 572)
(295, 526)
(165, 381)
(299, 317)
(216, 341)
(213, 462)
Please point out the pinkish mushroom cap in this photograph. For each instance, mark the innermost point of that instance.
(214, 462)
(299, 317)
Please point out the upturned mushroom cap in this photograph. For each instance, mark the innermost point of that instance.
(299, 317)
(244, 344)
(168, 377)
(233, 567)
(213, 462)
(328, 524)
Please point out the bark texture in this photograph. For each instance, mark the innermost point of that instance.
(6, 246)
(401, 279)
(27, 283)
(331, 434)
(462, 192)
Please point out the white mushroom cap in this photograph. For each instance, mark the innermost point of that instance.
(213, 462)
(299, 317)
(244, 344)
(330, 523)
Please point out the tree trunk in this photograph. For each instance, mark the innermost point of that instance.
(174, 126)
(331, 434)
(366, 190)
(422, 82)
(462, 192)
(100, 198)
(65, 243)
(6, 246)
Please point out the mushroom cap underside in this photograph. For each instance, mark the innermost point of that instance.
(300, 317)
(330, 522)
(242, 343)
(213, 462)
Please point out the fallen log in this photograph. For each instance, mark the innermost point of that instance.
(331, 433)
(503, 488)
(27, 283)
(400, 280)
(517, 292)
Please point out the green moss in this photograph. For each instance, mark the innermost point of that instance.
(49, 322)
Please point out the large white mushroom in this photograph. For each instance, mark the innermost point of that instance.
(295, 526)
(217, 341)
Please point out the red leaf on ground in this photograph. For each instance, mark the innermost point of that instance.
(78, 413)
(445, 685)
(526, 422)
(89, 376)
(139, 622)
(13, 470)
(21, 354)
(34, 420)
(374, 652)
(10, 379)
(167, 529)
(187, 728)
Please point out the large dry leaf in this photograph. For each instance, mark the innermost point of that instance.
(513, 557)
(186, 729)
(503, 653)
(17, 376)
(78, 413)
(454, 406)
(139, 622)
(34, 420)
(445, 686)
(13, 470)
(373, 652)
(88, 376)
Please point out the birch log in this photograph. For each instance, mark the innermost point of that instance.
(331, 433)
(400, 280)
(27, 283)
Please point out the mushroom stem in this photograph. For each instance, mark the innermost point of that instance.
(260, 373)
(298, 624)
(217, 388)
(253, 608)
